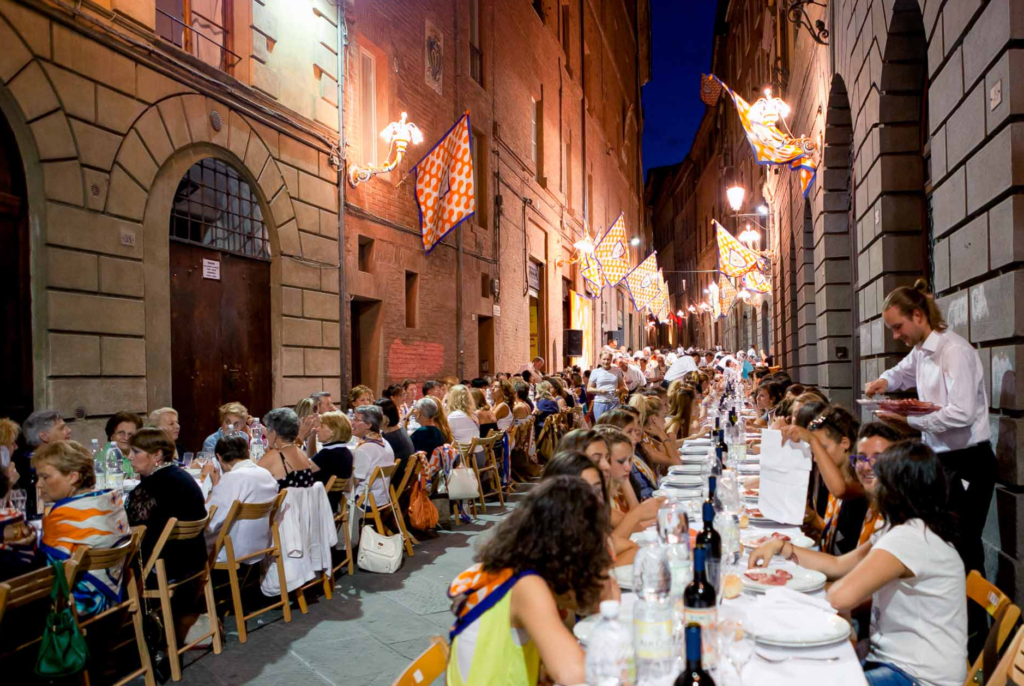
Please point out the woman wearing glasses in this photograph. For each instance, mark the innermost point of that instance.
(120, 429)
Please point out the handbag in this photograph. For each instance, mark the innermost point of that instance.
(63, 650)
(462, 484)
(422, 513)
(377, 553)
(355, 519)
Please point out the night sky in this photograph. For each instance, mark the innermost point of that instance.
(682, 33)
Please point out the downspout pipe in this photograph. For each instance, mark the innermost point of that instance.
(343, 308)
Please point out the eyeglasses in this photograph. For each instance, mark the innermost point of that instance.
(124, 434)
(863, 460)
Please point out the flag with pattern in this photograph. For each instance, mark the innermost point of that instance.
(771, 145)
(727, 293)
(445, 195)
(642, 283)
(716, 303)
(612, 252)
(757, 281)
(734, 258)
(590, 268)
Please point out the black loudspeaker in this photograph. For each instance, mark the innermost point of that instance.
(573, 342)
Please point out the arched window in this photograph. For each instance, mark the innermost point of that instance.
(216, 208)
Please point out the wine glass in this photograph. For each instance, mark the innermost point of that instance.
(741, 649)
(18, 498)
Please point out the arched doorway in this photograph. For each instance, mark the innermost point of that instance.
(16, 372)
(220, 298)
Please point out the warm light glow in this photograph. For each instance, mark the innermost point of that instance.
(743, 295)
(679, 313)
(634, 242)
(762, 210)
(399, 135)
(692, 309)
(768, 92)
(584, 245)
(750, 236)
(705, 290)
(735, 196)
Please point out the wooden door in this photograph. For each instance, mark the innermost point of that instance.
(220, 338)
(15, 293)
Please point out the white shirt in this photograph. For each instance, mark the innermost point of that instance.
(680, 368)
(247, 482)
(369, 455)
(633, 378)
(606, 381)
(919, 624)
(464, 429)
(946, 371)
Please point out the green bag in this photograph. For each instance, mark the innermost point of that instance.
(63, 651)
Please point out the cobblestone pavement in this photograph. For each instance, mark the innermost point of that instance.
(372, 629)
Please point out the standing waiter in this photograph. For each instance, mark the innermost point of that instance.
(946, 371)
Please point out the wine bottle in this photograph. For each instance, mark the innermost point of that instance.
(712, 485)
(710, 540)
(694, 673)
(699, 597)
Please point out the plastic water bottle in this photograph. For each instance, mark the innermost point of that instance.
(674, 533)
(652, 614)
(115, 475)
(256, 447)
(737, 439)
(610, 651)
(99, 464)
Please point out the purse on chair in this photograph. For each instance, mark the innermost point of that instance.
(377, 553)
(462, 484)
(63, 650)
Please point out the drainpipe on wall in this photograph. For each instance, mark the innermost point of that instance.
(339, 161)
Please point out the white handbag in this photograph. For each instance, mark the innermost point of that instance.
(462, 484)
(381, 554)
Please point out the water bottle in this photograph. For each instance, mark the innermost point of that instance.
(256, 447)
(114, 475)
(610, 650)
(674, 533)
(99, 464)
(652, 614)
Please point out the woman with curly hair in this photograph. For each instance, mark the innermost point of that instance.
(506, 618)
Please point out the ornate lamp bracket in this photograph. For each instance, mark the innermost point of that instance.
(797, 14)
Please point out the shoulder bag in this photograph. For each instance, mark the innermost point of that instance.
(381, 554)
(63, 650)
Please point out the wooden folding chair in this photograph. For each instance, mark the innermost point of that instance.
(490, 466)
(375, 509)
(413, 466)
(1004, 614)
(326, 578)
(175, 530)
(343, 486)
(123, 555)
(1010, 669)
(430, 664)
(252, 511)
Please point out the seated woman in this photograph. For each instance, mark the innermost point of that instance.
(594, 446)
(681, 405)
(553, 543)
(165, 490)
(766, 399)
(545, 406)
(642, 478)
(503, 398)
(656, 447)
(119, 430)
(241, 479)
(461, 412)
(873, 439)
(80, 516)
(562, 397)
(359, 396)
(522, 406)
(334, 459)
(628, 515)
(428, 437)
(283, 459)
(485, 416)
(232, 418)
(372, 451)
(909, 570)
(832, 436)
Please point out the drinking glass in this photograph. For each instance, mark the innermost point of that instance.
(741, 649)
(186, 460)
(18, 499)
(728, 492)
(674, 523)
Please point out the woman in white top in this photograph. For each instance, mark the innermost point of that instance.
(604, 386)
(910, 572)
(503, 398)
(461, 411)
(371, 452)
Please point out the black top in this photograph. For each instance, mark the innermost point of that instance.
(485, 429)
(851, 520)
(546, 409)
(427, 439)
(334, 459)
(169, 492)
(297, 478)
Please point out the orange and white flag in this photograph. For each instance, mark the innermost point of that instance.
(642, 283)
(757, 281)
(734, 258)
(445, 195)
(612, 252)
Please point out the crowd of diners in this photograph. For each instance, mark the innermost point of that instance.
(894, 527)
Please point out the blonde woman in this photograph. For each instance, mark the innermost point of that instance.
(462, 418)
(9, 431)
(657, 449)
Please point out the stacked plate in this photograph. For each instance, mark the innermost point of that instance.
(687, 468)
(679, 494)
(683, 481)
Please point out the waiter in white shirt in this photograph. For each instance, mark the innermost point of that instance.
(946, 371)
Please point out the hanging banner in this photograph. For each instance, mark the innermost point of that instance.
(445, 195)
(590, 268)
(716, 304)
(734, 258)
(612, 252)
(727, 293)
(757, 281)
(761, 121)
(642, 283)
(581, 312)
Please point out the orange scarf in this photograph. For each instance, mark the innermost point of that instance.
(475, 591)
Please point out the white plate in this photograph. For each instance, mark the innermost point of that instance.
(797, 539)
(804, 580)
(688, 468)
(682, 481)
(696, 441)
(754, 468)
(823, 631)
(693, 459)
(678, 494)
(694, 450)
(623, 576)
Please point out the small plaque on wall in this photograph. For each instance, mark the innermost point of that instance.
(211, 270)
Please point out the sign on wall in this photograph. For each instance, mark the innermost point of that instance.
(433, 57)
(211, 270)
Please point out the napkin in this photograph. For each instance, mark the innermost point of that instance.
(785, 473)
(787, 597)
(832, 650)
(791, 623)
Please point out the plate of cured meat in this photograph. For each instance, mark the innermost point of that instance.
(757, 539)
(789, 575)
(908, 407)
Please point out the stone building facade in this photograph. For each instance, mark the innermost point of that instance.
(177, 228)
(917, 105)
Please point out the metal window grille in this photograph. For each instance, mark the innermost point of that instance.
(216, 208)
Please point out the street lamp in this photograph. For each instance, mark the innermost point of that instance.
(762, 210)
(750, 236)
(634, 241)
(735, 196)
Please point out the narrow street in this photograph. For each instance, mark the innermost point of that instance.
(373, 628)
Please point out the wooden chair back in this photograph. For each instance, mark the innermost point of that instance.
(1005, 615)
(25, 590)
(1010, 669)
(377, 473)
(427, 667)
(176, 530)
(247, 511)
(413, 465)
(105, 558)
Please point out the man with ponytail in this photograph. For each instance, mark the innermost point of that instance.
(946, 371)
